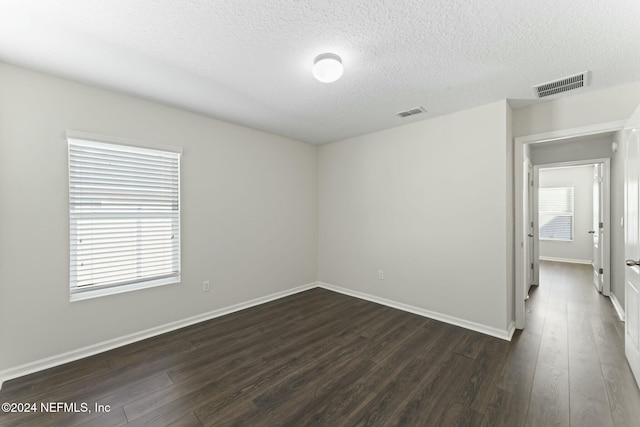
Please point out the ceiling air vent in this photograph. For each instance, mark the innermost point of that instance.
(411, 112)
(563, 85)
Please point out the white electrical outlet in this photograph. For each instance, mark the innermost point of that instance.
(206, 286)
(380, 274)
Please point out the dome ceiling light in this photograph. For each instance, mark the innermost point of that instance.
(327, 67)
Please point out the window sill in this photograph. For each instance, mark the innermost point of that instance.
(97, 293)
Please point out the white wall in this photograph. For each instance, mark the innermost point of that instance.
(581, 179)
(248, 215)
(429, 204)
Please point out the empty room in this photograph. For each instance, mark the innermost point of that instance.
(330, 212)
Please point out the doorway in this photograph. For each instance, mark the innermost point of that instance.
(564, 147)
(571, 213)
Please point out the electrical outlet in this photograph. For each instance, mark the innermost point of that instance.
(380, 274)
(206, 286)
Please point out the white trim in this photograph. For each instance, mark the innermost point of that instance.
(81, 353)
(571, 133)
(511, 329)
(94, 137)
(569, 260)
(484, 329)
(617, 306)
(520, 229)
(80, 295)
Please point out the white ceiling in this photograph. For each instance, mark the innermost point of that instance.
(249, 62)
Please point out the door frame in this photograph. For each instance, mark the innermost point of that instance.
(606, 202)
(520, 232)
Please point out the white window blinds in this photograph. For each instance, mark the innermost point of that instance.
(555, 214)
(124, 208)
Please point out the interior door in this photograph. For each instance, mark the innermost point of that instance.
(632, 243)
(530, 257)
(597, 227)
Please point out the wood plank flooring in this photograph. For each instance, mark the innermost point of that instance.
(322, 358)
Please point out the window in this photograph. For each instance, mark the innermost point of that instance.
(124, 211)
(556, 213)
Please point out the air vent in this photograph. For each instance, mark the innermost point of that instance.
(411, 112)
(563, 85)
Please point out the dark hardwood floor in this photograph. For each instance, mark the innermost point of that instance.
(322, 358)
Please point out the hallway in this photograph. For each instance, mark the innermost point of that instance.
(580, 376)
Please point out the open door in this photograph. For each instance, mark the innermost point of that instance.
(632, 243)
(597, 227)
(529, 247)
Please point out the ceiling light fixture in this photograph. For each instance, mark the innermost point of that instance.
(327, 67)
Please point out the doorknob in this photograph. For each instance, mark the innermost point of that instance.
(591, 232)
(530, 235)
(632, 263)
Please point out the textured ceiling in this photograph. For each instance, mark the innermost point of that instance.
(249, 62)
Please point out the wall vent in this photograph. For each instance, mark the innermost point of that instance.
(563, 85)
(411, 112)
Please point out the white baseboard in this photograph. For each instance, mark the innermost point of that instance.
(617, 306)
(511, 330)
(484, 329)
(81, 353)
(569, 260)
